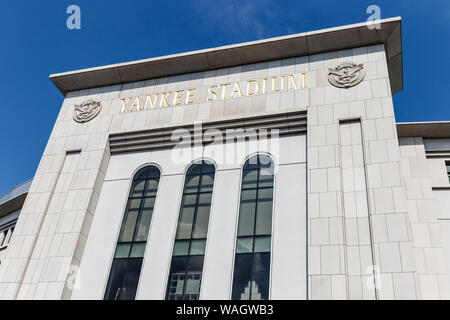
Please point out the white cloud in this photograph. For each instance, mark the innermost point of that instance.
(255, 19)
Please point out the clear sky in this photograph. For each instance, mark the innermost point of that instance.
(35, 42)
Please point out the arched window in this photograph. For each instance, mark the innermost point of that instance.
(253, 244)
(189, 249)
(130, 248)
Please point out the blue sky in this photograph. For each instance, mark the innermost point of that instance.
(36, 42)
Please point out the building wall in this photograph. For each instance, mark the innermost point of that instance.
(289, 225)
(350, 233)
(427, 209)
(357, 232)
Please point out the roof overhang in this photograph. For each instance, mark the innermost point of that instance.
(12, 205)
(302, 44)
(13, 200)
(432, 129)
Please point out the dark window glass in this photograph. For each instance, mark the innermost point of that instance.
(184, 229)
(447, 164)
(246, 218)
(252, 262)
(123, 279)
(201, 221)
(251, 276)
(185, 278)
(5, 235)
(189, 249)
(130, 248)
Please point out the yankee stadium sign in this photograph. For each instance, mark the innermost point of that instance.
(222, 91)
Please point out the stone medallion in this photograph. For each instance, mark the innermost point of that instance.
(346, 75)
(86, 111)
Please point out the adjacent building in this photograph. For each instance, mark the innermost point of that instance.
(10, 206)
(272, 169)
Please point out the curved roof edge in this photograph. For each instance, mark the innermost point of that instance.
(301, 44)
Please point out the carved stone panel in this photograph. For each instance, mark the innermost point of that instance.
(86, 111)
(346, 75)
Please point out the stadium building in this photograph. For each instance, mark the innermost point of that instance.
(272, 169)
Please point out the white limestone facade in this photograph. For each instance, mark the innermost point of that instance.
(361, 207)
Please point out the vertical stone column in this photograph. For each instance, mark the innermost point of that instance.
(219, 257)
(358, 247)
(431, 275)
(48, 242)
(339, 250)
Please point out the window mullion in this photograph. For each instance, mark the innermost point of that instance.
(256, 208)
(183, 292)
(254, 233)
(138, 219)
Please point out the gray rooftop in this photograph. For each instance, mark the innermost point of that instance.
(301, 44)
(13, 200)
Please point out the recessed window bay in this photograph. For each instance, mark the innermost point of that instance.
(130, 247)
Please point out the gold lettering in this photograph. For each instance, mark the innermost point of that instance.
(253, 87)
(137, 104)
(150, 101)
(236, 88)
(249, 82)
(264, 90)
(189, 94)
(124, 104)
(224, 88)
(274, 89)
(177, 97)
(164, 99)
(213, 93)
(292, 83)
